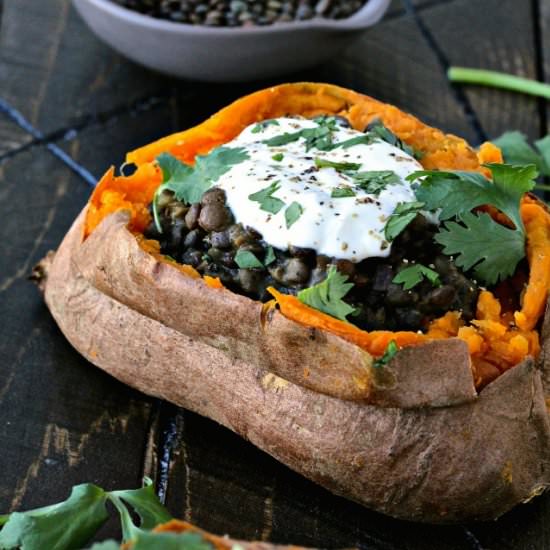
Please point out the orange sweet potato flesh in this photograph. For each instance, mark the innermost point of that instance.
(413, 439)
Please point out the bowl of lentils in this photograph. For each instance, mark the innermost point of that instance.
(229, 40)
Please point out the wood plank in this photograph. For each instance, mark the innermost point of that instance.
(63, 421)
(493, 34)
(64, 73)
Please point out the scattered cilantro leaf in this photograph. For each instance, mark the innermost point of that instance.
(71, 523)
(364, 139)
(189, 182)
(342, 192)
(278, 157)
(411, 276)
(267, 201)
(391, 349)
(68, 524)
(375, 181)
(145, 503)
(269, 256)
(325, 163)
(261, 126)
(493, 250)
(376, 128)
(247, 260)
(327, 295)
(292, 213)
(403, 215)
(516, 150)
(171, 541)
(319, 137)
(458, 192)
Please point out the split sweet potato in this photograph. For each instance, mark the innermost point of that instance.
(414, 439)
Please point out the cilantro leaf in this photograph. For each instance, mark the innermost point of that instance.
(319, 137)
(189, 182)
(376, 128)
(71, 523)
(269, 256)
(364, 139)
(278, 157)
(268, 203)
(411, 276)
(479, 242)
(403, 215)
(292, 213)
(68, 524)
(247, 260)
(458, 192)
(342, 192)
(375, 181)
(146, 504)
(516, 150)
(325, 163)
(261, 126)
(327, 295)
(391, 349)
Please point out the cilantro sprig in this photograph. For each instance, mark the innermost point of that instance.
(480, 242)
(188, 183)
(327, 295)
(267, 201)
(391, 350)
(319, 137)
(73, 522)
(415, 274)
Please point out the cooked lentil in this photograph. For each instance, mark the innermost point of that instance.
(235, 13)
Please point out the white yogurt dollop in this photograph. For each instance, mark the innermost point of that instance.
(349, 228)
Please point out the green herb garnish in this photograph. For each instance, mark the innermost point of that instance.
(70, 524)
(261, 126)
(269, 256)
(364, 139)
(188, 183)
(377, 129)
(342, 192)
(325, 163)
(292, 213)
(327, 295)
(375, 181)
(247, 260)
(391, 350)
(403, 215)
(411, 276)
(480, 242)
(318, 138)
(516, 150)
(268, 203)
(278, 157)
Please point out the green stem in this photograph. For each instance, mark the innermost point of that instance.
(499, 80)
(542, 187)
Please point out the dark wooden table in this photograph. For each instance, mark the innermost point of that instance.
(62, 421)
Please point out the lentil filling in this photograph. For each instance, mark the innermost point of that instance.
(205, 236)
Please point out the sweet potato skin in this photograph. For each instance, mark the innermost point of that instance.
(474, 459)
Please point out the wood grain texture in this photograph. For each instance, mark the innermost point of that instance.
(497, 35)
(58, 74)
(58, 413)
(62, 420)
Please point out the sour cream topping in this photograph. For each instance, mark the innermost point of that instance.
(348, 227)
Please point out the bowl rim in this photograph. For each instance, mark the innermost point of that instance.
(373, 9)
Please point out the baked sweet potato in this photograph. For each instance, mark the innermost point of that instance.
(414, 439)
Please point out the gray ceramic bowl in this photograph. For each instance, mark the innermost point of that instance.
(224, 54)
